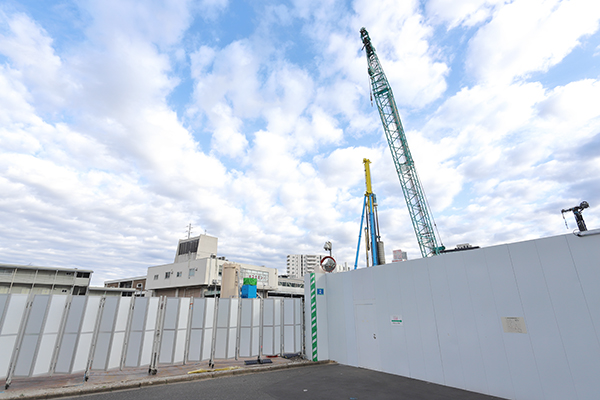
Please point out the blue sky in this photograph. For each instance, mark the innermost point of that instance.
(121, 122)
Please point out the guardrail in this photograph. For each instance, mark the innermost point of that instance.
(59, 334)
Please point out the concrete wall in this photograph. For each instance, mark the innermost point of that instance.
(519, 321)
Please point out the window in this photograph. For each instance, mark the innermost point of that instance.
(191, 272)
(156, 277)
(188, 247)
(83, 274)
(179, 274)
(167, 275)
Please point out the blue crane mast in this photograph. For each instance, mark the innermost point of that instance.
(403, 161)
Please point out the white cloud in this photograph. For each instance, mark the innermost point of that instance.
(401, 38)
(33, 61)
(107, 174)
(467, 12)
(529, 36)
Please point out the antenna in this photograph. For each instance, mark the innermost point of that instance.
(189, 230)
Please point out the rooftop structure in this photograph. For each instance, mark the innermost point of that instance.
(197, 271)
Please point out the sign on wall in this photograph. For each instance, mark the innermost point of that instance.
(260, 276)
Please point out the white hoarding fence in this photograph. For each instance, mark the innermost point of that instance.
(60, 334)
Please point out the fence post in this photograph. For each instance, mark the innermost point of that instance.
(61, 331)
(157, 336)
(19, 339)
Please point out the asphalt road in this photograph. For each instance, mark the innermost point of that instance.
(329, 382)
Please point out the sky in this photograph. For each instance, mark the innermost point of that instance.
(122, 122)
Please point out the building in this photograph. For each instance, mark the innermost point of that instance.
(112, 291)
(288, 287)
(138, 283)
(43, 280)
(399, 255)
(197, 271)
(300, 264)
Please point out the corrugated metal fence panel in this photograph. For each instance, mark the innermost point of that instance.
(292, 326)
(88, 328)
(46, 334)
(181, 331)
(271, 339)
(105, 333)
(209, 327)
(31, 337)
(224, 307)
(118, 339)
(11, 324)
(136, 333)
(169, 328)
(249, 328)
(49, 343)
(70, 335)
(150, 328)
(196, 330)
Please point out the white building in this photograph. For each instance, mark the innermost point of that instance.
(43, 280)
(197, 271)
(288, 287)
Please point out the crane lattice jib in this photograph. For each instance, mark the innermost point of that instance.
(405, 166)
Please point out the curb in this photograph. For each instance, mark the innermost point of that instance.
(146, 382)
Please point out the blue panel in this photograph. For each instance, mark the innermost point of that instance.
(65, 354)
(133, 349)
(171, 313)
(3, 301)
(223, 313)
(195, 345)
(198, 314)
(101, 352)
(139, 313)
(108, 314)
(37, 314)
(33, 329)
(75, 314)
(26, 354)
(167, 347)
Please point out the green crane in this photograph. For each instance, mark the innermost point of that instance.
(405, 165)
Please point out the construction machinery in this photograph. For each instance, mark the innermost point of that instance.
(373, 243)
(403, 161)
(577, 213)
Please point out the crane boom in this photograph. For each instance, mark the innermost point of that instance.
(403, 161)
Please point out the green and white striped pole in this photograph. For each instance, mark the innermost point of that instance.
(313, 315)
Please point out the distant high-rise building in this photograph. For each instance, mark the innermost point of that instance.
(300, 264)
(399, 255)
